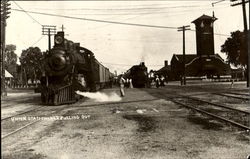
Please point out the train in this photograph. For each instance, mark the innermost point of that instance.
(138, 74)
(68, 67)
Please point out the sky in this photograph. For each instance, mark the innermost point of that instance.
(119, 46)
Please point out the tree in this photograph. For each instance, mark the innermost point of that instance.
(32, 63)
(11, 57)
(235, 48)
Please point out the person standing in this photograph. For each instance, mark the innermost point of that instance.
(157, 81)
(122, 81)
(162, 80)
(130, 83)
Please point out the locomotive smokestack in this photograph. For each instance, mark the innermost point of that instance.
(143, 63)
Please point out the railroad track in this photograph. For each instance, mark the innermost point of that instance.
(30, 123)
(236, 93)
(226, 94)
(19, 129)
(21, 113)
(246, 127)
(218, 111)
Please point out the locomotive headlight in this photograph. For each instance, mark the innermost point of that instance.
(58, 40)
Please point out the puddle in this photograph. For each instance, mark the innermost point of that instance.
(205, 123)
(145, 123)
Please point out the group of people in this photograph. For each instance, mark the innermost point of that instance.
(127, 83)
(159, 82)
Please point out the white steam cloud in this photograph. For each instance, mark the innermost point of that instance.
(101, 97)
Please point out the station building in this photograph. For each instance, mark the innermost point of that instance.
(205, 62)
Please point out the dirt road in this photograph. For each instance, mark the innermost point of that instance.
(141, 126)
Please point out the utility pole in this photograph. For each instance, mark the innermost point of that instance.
(216, 3)
(243, 3)
(183, 29)
(4, 15)
(49, 30)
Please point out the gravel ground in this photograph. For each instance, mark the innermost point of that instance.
(141, 126)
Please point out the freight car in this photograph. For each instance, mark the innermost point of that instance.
(68, 68)
(138, 74)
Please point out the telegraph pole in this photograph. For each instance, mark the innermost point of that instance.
(4, 15)
(183, 29)
(243, 3)
(49, 30)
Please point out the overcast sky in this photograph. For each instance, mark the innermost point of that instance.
(120, 46)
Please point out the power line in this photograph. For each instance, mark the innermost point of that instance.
(129, 9)
(105, 21)
(27, 13)
(119, 64)
(38, 40)
(215, 33)
(145, 12)
(97, 20)
(148, 13)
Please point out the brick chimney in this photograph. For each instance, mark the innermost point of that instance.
(166, 63)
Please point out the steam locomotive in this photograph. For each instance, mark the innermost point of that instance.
(138, 74)
(68, 68)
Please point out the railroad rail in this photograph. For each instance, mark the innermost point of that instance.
(215, 104)
(19, 129)
(236, 93)
(29, 124)
(213, 115)
(24, 112)
(231, 96)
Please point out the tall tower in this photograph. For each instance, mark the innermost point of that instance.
(204, 35)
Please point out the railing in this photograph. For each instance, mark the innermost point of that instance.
(21, 86)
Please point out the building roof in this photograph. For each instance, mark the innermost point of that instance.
(188, 57)
(165, 68)
(204, 17)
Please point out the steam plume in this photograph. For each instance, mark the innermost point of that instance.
(101, 97)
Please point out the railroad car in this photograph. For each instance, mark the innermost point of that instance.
(138, 74)
(68, 68)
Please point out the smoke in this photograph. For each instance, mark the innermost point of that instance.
(101, 97)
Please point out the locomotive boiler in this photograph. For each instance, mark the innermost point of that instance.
(68, 68)
(138, 74)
